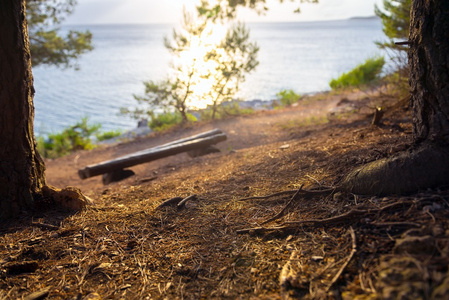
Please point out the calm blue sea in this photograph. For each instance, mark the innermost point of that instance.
(299, 56)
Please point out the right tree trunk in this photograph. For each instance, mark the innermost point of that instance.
(429, 62)
(426, 165)
(21, 168)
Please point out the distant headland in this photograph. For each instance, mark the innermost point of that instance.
(365, 18)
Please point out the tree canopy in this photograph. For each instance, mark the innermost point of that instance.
(260, 4)
(396, 25)
(395, 19)
(47, 45)
(208, 64)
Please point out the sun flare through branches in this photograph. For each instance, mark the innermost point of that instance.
(210, 57)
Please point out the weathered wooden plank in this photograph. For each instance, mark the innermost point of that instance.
(149, 155)
(193, 137)
(190, 138)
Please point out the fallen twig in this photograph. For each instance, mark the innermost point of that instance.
(45, 226)
(147, 179)
(183, 202)
(291, 192)
(389, 224)
(281, 213)
(346, 217)
(170, 202)
(287, 273)
(288, 192)
(351, 255)
(349, 216)
(42, 294)
(258, 230)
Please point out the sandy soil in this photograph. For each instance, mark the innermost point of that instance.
(317, 244)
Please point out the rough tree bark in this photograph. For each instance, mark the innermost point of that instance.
(21, 167)
(426, 164)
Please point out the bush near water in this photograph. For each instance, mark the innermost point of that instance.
(163, 121)
(364, 74)
(287, 97)
(72, 138)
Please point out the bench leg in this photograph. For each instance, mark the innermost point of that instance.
(116, 176)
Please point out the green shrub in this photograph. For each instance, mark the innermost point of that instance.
(108, 135)
(363, 74)
(166, 120)
(224, 110)
(76, 137)
(287, 97)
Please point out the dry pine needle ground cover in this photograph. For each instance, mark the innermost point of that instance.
(314, 244)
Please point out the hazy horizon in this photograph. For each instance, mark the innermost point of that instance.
(93, 12)
(254, 22)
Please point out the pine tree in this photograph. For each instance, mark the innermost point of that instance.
(233, 58)
(396, 22)
(205, 70)
(396, 26)
(47, 46)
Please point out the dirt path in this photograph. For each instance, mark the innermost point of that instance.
(243, 132)
(324, 246)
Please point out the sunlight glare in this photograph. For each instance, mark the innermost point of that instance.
(192, 66)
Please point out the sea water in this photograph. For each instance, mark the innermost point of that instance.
(302, 56)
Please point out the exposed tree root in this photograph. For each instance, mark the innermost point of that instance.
(69, 198)
(344, 218)
(351, 216)
(281, 213)
(424, 167)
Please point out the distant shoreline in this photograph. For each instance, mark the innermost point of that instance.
(365, 18)
(361, 18)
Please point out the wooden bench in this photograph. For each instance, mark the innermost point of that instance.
(117, 165)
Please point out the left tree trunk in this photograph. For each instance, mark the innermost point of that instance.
(21, 167)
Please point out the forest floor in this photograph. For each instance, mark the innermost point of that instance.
(324, 245)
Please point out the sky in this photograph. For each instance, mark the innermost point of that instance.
(170, 11)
